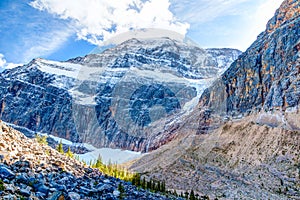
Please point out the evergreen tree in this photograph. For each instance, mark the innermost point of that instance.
(144, 183)
(192, 195)
(163, 186)
(109, 167)
(152, 184)
(181, 194)
(99, 162)
(149, 184)
(175, 193)
(121, 190)
(186, 194)
(60, 148)
(133, 181)
(158, 187)
(69, 153)
(137, 180)
(41, 139)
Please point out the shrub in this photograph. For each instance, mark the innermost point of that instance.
(42, 139)
(69, 153)
(60, 148)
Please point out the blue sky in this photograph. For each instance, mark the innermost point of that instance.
(63, 29)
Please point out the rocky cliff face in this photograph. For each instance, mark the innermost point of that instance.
(252, 116)
(112, 99)
(267, 76)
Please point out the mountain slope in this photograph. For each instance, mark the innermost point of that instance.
(113, 99)
(239, 160)
(35, 171)
(265, 77)
(243, 139)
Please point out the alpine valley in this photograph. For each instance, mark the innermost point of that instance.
(218, 123)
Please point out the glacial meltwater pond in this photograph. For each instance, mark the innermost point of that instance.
(115, 156)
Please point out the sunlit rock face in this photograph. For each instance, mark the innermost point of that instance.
(115, 98)
(265, 77)
(246, 138)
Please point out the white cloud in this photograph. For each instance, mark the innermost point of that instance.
(259, 19)
(200, 11)
(5, 65)
(12, 65)
(2, 61)
(100, 20)
(145, 34)
(46, 44)
(265, 12)
(225, 23)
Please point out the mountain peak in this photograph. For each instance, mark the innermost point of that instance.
(119, 95)
(156, 42)
(289, 10)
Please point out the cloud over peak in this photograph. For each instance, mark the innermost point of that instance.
(2, 61)
(5, 65)
(99, 20)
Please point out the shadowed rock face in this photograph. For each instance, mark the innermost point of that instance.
(265, 77)
(34, 103)
(149, 96)
(112, 99)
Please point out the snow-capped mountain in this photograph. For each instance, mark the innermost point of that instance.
(112, 99)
